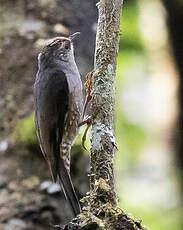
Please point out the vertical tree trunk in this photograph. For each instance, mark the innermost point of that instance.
(100, 210)
(103, 141)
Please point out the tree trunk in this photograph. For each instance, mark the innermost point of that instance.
(100, 210)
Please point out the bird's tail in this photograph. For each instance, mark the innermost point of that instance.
(64, 179)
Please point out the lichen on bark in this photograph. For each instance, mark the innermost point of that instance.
(107, 43)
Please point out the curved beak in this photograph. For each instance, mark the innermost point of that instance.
(73, 36)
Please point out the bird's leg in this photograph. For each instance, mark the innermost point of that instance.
(88, 120)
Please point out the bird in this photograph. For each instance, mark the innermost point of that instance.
(58, 100)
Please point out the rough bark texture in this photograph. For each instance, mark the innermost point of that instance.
(175, 27)
(103, 140)
(100, 210)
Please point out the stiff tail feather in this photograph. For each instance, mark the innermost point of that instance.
(65, 182)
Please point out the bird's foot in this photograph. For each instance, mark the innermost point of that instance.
(88, 121)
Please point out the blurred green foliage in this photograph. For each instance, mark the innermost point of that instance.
(158, 218)
(131, 39)
(131, 137)
(25, 131)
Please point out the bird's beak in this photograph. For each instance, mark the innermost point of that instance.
(73, 36)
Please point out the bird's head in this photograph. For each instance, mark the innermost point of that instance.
(58, 50)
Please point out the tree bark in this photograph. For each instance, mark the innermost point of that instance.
(100, 210)
(103, 140)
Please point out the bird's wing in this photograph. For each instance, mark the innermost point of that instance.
(51, 106)
(60, 95)
(49, 120)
